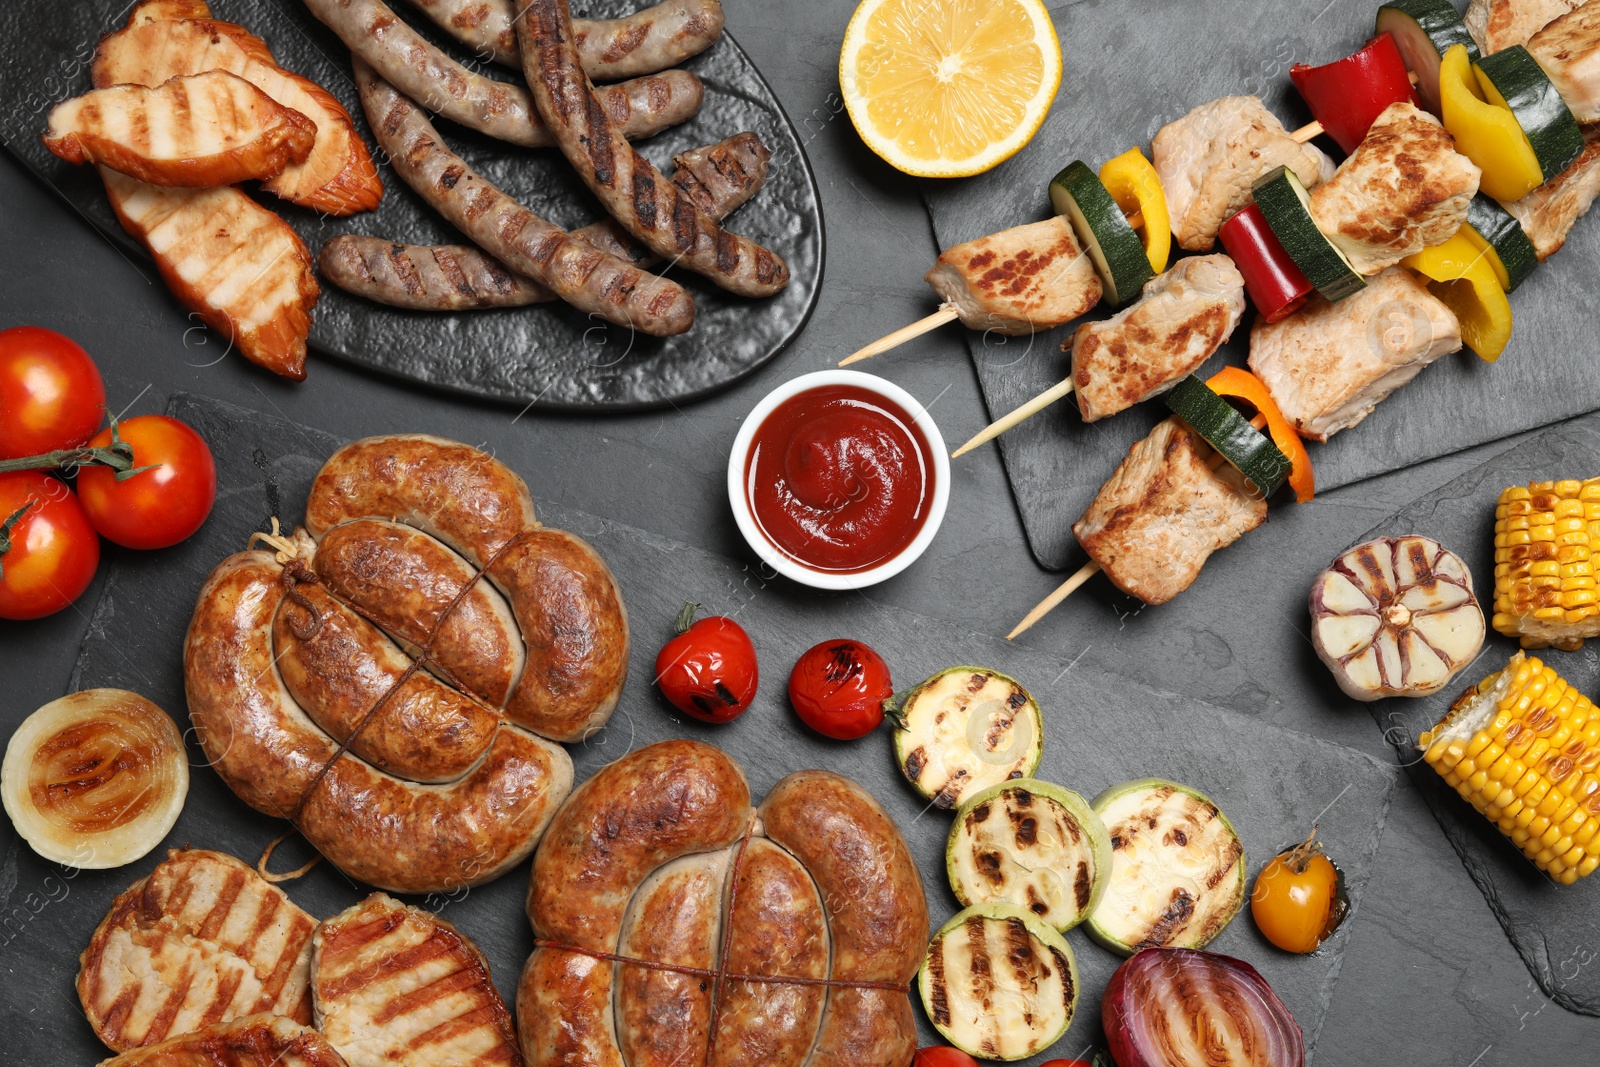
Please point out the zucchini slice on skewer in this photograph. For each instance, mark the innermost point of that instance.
(1512, 78)
(1287, 207)
(1115, 247)
(1425, 30)
(1032, 844)
(965, 729)
(1501, 239)
(1177, 868)
(1230, 433)
(998, 983)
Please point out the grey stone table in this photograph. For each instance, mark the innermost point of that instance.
(1428, 978)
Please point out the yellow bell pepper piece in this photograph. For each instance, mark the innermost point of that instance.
(1133, 184)
(1461, 275)
(1485, 129)
(1487, 250)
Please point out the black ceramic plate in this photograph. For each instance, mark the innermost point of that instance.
(549, 356)
(1129, 71)
(1100, 730)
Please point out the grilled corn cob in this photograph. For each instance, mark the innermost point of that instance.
(1544, 579)
(1523, 747)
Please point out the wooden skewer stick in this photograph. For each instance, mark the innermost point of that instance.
(1306, 132)
(946, 313)
(1026, 411)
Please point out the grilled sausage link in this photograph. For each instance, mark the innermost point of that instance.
(632, 190)
(651, 39)
(876, 907)
(397, 835)
(586, 278)
(652, 806)
(719, 178)
(412, 64)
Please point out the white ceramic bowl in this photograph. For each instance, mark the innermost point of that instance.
(785, 564)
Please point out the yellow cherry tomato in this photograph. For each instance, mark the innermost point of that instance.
(1297, 902)
(1134, 185)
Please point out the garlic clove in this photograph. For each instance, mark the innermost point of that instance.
(1425, 671)
(1340, 594)
(1341, 635)
(1434, 595)
(1362, 673)
(1457, 633)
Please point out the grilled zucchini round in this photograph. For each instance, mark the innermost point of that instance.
(1425, 30)
(1103, 229)
(1283, 200)
(965, 729)
(1512, 78)
(1251, 452)
(1502, 240)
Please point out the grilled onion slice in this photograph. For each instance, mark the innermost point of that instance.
(965, 729)
(95, 779)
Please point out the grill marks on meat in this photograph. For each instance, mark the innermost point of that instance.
(212, 128)
(396, 984)
(202, 940)
(580, 274)
(1209, 160)
(1569, 51)
(1548, 213)
(1180, 320)
(252, 1041)
(1328, 365)
(412, 64)
(1403, 189)
(1498, 24)
(653, 210)
(235, 264)
(1018, 281)
(1157, 520)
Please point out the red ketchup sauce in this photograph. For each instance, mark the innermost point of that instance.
(839, 478)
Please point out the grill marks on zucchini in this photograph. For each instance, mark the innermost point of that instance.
(965, 729)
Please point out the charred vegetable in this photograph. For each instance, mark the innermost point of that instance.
(1177, 868)
(1032, 844)
(1299, 897)
(998, 983)
(965, 729)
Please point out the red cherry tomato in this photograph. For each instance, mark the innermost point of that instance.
(838, 689)
(51, 395)
(942, 1056)
(54, 550)
(709, 670)
(158, 507)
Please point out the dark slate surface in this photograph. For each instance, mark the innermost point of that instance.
(548, 356)
(1125, 78)
(1428, 975)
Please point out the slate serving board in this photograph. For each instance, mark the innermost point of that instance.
(1127, 73)
(548, 356)
(1099, 730)
(1556, 929)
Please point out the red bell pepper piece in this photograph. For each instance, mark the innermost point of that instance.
(1276, 286)
(1348, 95)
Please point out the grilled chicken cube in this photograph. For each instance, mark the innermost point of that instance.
(1328, 365)
(1181, 318)
(1157, 520)
(394, 984)
(253, 1041)
(238, 266)
(1547, 214)
(1018, 281)
(1569, 51)
(212, 128)
(1403, 189)
(1498, 24)
(1209, 160)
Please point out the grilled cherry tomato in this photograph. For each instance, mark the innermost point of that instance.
(49, 553)
(157, 507)
(838, 689)
(709, 670)
(1298, 899)
(942, 1056)
(50, 392)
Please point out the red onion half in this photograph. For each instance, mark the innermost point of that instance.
(1181, 1007)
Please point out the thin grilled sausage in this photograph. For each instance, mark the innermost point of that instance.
(651, 39)
(586, 278)
(412, 64)
(632, 190)
(719, 178)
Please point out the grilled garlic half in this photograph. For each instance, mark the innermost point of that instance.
(95, 779)
(1395, 617)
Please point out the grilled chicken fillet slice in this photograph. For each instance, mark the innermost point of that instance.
(1403, 189)
(1498, 24)
(1018, 281)
(1569, 51)
(200, 130)
(238, 266)
(252, 1041)
(1328, 365)
(1548, 213)
(1157, 520)
(1180, 320)
(1208, 162)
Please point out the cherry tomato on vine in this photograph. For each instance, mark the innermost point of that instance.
(709, 670)
(51, 395)
(158, 507)
(49, 553)
(942, 1056)
(838, 689)
(1298, 900)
